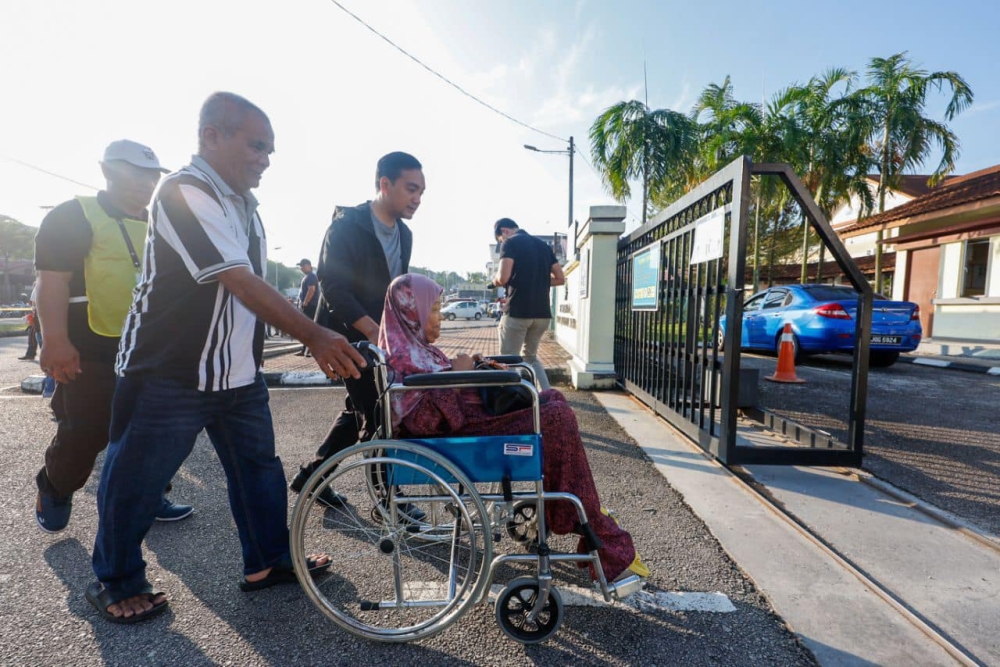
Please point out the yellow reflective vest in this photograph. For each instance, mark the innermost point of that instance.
(110, 268)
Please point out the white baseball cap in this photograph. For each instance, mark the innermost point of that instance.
(134, 153)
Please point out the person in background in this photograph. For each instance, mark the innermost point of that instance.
(365, 247)
(528, 270)
(88, 254)
(308, 297)
(190, 360)
(31, 320)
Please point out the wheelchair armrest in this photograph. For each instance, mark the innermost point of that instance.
(448, 378)
(506, 358)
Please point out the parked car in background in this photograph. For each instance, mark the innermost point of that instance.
(823, 321)
(470, 310)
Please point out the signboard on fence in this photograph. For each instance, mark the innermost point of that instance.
(646, 278)
(709, 232)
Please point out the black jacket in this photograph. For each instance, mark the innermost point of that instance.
(353, 274)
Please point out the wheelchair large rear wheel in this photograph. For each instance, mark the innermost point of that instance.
(387, 582)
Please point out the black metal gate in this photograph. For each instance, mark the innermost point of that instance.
(677, 276)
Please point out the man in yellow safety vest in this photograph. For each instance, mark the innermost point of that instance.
(88, 254)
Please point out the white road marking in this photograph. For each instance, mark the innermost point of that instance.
(994, 371)
(932, 362)
(576, 596)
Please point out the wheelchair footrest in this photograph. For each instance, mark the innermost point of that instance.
(590, 537)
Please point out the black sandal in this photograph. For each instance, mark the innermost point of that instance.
(101, 599)
(283, 575)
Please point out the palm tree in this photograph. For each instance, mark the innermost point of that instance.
(902, 136)
(630, 141)
(826, 146)
(727, 128)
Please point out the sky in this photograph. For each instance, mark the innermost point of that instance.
(79, 74)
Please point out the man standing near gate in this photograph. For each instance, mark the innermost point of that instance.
(528, 269)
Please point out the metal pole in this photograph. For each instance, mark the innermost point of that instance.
(572, 149)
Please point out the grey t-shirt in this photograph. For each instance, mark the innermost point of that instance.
(389, 238)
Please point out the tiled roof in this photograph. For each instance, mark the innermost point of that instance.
(959, 190)
(913, 185)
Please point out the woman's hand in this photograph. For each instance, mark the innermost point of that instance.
(463, 362)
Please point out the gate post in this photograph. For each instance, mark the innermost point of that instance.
(590, 302)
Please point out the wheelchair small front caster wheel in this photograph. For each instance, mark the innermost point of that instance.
(523, 524)
(513, 609)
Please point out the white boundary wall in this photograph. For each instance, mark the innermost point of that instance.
(585, 306)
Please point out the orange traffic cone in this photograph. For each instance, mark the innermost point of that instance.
(786, 359)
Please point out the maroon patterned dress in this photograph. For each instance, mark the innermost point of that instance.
(445, 412)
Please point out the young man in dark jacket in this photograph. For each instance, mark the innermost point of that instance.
(365, 247)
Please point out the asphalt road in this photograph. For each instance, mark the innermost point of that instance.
(933, 432)
(44, 619)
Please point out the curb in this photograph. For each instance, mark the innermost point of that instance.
(278, 350)
(951, 365)
(32, 384)
(298, 379)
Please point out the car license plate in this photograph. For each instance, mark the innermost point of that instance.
(886, 340)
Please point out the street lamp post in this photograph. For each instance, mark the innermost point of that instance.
(569, 152)
(276, 270)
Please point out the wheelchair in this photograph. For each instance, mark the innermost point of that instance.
(424, 554)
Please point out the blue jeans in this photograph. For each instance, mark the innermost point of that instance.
(154, 424)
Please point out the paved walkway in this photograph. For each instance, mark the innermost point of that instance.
(841, 592)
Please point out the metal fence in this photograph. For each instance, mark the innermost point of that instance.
(676, 277)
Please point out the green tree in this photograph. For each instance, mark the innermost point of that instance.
(17, 241)
(727, 128)
(630, 141)
(902, 135)
(824, 145)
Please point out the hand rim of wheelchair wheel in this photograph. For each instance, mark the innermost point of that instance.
(512, 610)
(468, 507)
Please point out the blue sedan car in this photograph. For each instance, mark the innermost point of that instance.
(822, 319)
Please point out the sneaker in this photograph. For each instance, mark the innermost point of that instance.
(327, 496)
(52, 514)
(302, 476)
(173, 512)
(331, 498)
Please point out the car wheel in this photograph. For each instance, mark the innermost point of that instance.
(720, 340)
(479, 316)
(796, 348)
(882, 359)
(451, 317)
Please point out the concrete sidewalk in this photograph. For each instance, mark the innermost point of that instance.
(949, 581)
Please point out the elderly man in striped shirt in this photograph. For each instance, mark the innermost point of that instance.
(204, 262)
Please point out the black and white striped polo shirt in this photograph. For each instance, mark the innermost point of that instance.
(183, 323)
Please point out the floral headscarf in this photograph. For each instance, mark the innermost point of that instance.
(408, 305)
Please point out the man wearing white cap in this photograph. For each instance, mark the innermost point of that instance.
(88, 254)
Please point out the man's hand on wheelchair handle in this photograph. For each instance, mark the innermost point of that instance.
(335, 355)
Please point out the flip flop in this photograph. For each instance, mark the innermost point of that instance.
(284, 575)
(101, 599)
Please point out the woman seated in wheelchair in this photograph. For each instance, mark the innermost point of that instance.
(411, 323)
